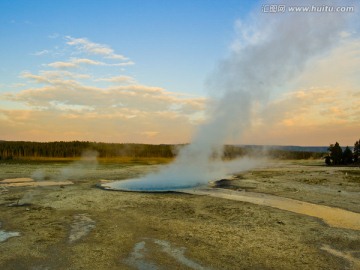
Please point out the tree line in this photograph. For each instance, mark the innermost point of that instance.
(24, 150)
(338, 156)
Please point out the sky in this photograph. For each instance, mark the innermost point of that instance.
(136, 71)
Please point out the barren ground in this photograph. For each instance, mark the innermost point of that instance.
(80, 226)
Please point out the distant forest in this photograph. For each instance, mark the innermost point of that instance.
(14, 150)
(22, 150)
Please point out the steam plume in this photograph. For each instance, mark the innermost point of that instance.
(78, 169)
(267, 54)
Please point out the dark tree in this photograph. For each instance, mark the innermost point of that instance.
(327, 160)
(335, 153)
(347, 156)
(357, 151)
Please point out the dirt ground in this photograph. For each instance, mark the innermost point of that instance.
(80, 226)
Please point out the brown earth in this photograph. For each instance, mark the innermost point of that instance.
(83, 227)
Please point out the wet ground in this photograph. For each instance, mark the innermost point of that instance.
(333, 216)
(80, 226)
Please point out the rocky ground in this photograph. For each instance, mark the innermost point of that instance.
(80, 226)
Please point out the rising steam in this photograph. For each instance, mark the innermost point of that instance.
(267, 54)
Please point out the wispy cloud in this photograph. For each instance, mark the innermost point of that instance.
(76, 62)
(85, 45)
(118, 79)
(53, 76)
(40, 53)
(63, 65)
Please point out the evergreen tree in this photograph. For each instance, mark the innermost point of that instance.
(335, 153)
(357, 151)
(327, 160)
(347, 157)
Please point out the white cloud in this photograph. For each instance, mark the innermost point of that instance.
(87, 46)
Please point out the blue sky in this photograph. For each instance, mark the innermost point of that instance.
(136, 71)
(175, 44)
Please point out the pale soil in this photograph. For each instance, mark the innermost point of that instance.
(82, 227)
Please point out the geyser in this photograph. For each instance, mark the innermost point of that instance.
(269, 51)
(181, 174)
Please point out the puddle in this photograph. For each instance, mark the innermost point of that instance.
(4, 235)
(136, 185)
(334, 217)
(29, 182)
(81, 226)
(138, 258)
(354, 262)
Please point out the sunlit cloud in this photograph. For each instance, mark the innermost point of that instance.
(122, 79)
(323, 107)
(72, 92)
(52, 76)
(121, 125)
(40, 53)
(313, 116)
(76, 62)
(63, 65)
